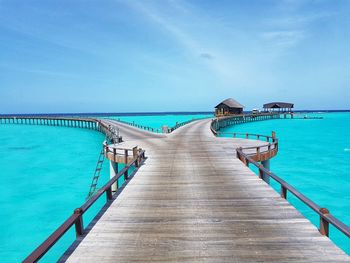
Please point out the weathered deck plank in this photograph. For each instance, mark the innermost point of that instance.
(193, 201)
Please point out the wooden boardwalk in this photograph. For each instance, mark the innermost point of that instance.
(193, 201)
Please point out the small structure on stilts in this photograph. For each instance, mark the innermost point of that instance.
(284, 108)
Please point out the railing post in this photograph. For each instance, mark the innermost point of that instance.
(109, 194)
(238, 154)
(258, 152)
(261, 172)
(283, 192)
(135, 155)
(126, 163)
(273, 136)
(324, 224)
(115, 154)
(79, 226)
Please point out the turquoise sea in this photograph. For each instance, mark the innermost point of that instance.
(46, 173)
(314, 156)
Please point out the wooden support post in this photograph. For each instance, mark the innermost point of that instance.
(109, 194)
(79, 226)
(134, 155)
(266, 165)
(273, 136)
(126, 163)
(246, 161)
(324, 224)
(261, 172)
(114, 154)
(283, 192)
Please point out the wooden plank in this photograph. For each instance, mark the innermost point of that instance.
(193, 201)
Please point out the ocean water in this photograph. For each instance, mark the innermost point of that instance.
(46, 173)
(314, 156)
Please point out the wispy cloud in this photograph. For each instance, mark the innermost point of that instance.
(165, 23)
(298, 20)
(180, 28)
(207, 56)
(283, 38)
(291, 28)
(38, 71)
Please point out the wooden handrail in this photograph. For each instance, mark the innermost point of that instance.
(215, 125)
(99, 125)
(147, 128)
(262, 152)
(76, 217)
(178, 125)
(325, 217)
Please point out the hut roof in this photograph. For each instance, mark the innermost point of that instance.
(278, 105)
(231, 103)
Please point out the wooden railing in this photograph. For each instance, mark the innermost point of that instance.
(171, 129)
(50, 121)
(259, 153)
(222, 122)
(76, 218)
(325, 216)
(75, 122)
(113, 153)
(143, 127)
(178, 125)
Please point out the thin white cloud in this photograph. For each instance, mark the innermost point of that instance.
(283, 38)
(292, 20)
(152, 13)
(290, 28)
(180, 29)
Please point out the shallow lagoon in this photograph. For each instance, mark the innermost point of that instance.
(46, 173)
(314, 157)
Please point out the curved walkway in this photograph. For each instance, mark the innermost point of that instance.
(193, 201)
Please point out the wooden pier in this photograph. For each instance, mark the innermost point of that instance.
(73, 122)
(223, 122)
(193, 201)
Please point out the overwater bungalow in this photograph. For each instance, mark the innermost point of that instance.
(228, 107)
(279, 106)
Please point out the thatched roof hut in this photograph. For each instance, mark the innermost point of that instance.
(228, 107)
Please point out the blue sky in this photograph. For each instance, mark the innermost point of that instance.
(168, 55)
